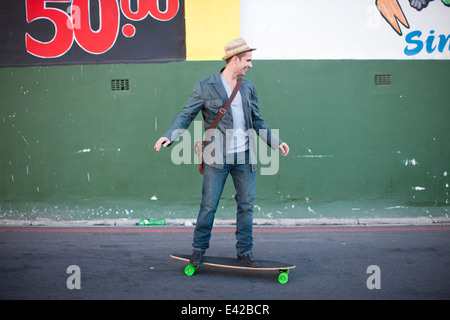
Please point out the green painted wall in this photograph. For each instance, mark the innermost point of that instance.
(71, 147)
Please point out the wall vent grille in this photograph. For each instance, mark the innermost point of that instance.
(383, 80)
(120, 85)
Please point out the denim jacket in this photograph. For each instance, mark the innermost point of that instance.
(208, 96)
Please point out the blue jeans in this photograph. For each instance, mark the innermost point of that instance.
(213, 183)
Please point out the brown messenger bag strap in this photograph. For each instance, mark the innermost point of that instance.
(224, 109)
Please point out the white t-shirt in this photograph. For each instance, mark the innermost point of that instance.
(239, 141)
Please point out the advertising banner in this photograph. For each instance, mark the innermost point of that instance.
(41, 32)
(347, 29)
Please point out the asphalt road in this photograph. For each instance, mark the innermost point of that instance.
(398, 262)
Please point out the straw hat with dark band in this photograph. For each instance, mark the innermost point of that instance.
(235, 47)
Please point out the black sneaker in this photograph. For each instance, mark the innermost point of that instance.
(247, 260)
(196, 257)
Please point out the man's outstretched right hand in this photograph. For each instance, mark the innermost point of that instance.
(161, 141)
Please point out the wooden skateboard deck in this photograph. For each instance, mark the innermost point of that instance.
(234, 263)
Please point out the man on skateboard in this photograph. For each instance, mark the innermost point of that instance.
(233, 149)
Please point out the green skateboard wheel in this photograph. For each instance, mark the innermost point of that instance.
(190, 269)
(283, 277)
